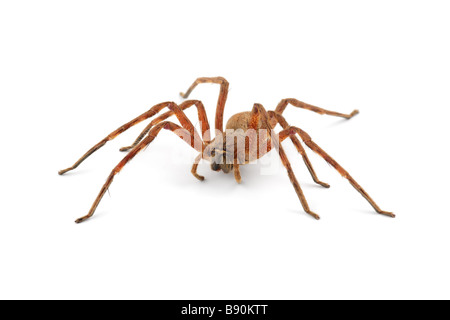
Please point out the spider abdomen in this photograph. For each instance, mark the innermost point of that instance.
(241, 121)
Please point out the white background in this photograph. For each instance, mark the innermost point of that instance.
(73, 71)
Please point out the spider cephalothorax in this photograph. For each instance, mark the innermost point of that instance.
(226, 150)
(248, 136)
(217, 154)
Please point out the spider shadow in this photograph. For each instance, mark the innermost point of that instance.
(313, 185)
(337, 122)
(372, 212)
(94, 217)
(75, 172)
(300, 212)
(252, 176)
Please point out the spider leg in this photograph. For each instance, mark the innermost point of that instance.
(314, 147)
(237, 172)
(282, 121)
(221, 100)
(150, 113)
(299, 104)
(195, 166)
(181, 132)
(204, 123)
(259, 112)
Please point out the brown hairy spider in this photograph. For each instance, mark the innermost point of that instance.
(255, 127)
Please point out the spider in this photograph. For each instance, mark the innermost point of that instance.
(223, 152)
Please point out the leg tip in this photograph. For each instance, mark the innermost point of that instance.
(314, 215)
(124, 149)
(183, 95)
(354, 113)
(323, 184)
(61, 172)
(80, 220)
(199, 177)
(386, 213)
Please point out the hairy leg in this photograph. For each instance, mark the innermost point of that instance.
(221, 100)
(206, 134)
(183, 133)
(307, 140)
(195, 166)
(150, 113)
(299, 104)
(259, 112)
(283, 123)
(237, 173)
